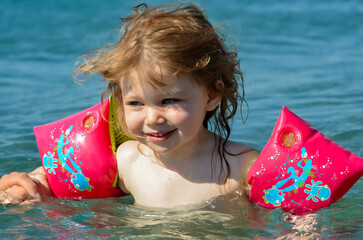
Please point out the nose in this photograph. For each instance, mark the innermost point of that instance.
(154, 116)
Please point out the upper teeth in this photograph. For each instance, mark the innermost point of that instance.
(158, 134)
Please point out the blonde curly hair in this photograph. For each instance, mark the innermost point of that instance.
(177, 37)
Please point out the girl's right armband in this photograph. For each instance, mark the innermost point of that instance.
(78, 153)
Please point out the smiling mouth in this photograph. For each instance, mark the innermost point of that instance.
(159, 136)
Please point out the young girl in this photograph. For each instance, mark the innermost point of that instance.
(176, 86)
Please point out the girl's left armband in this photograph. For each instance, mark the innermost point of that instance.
(300, 169)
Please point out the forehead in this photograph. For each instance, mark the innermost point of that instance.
(147, 74)
(152, 76)
(162, 81)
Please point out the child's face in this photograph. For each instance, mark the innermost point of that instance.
(168, 117)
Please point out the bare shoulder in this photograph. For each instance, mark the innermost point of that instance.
(242, 156)
(126, 146)
(127, 151)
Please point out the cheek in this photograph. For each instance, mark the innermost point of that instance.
(132, 121)
(189, 117)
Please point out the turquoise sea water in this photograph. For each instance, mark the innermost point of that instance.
(306, 55)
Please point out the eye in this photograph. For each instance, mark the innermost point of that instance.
(134, 104)
(170, 101)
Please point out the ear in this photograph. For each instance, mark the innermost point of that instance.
(214, 97)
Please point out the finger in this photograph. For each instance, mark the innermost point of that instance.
(42, 184)
(3, 197)
(39, 174)
(20, 179)
(16, 194)
(13, 195)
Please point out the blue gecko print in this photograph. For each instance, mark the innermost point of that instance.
(78, 179)
(275, 195)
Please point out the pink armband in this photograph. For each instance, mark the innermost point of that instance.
(78, 154)
(300, 169)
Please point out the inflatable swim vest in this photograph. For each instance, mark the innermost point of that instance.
(78, 153)
(300, 169)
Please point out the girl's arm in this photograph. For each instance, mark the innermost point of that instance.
(18, 188)
(125, 153)
(245, 156)
(251, 157)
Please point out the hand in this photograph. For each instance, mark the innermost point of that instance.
(22, 188)
(14, 195)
